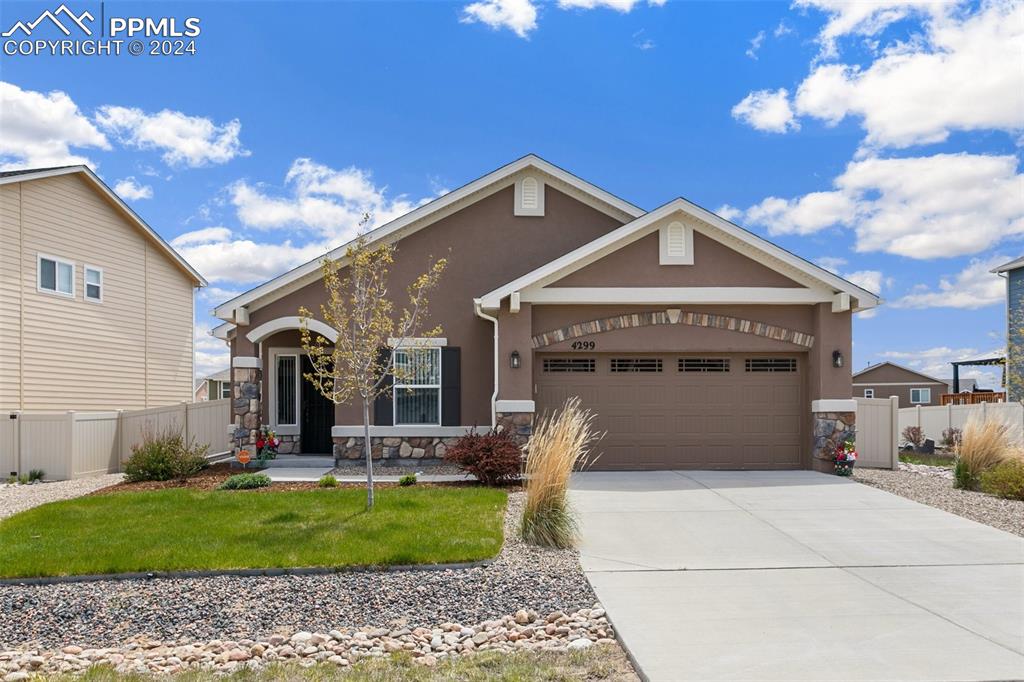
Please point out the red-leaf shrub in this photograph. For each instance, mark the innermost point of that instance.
(493, 457)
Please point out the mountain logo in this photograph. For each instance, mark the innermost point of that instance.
(77, 20)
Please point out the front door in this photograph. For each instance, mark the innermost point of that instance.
(317, 416)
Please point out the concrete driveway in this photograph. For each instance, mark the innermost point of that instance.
(795, 575)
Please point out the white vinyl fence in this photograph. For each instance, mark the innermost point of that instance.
(877, 433)
(76, 444)
(936, 419)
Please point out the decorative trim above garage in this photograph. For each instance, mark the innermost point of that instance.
(672, 316)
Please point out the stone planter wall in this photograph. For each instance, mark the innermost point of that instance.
(245, 407)
(290, 445)
(407, 448)
(519, 423)
(831, 429)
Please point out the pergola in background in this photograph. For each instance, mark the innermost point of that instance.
(985, 362)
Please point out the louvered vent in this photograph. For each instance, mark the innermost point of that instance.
(570, 364)
(703, 364)
(636, 364)
(676, 239)
(530, 193)
(771, 364)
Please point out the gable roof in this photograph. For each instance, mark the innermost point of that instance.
(871, 368)
(29, 174)
(607, 243)
(428, 213)
(1012, 265)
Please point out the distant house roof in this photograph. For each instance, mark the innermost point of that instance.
(223, 375)
(28, 174)
(1012, 265)
(871, 368)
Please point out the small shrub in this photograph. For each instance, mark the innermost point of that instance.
(913, 435)
(245, 482)
(984, 444)
(407, 480)
(36, 475)
(560, 444)
(951, 438)
(1005, 480)
(23, 479)
(11, 480)
(493, 457)
(327, 481)
(161, 458)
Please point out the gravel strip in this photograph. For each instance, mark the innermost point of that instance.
(108, 613)
(937, 491)
(18, 498)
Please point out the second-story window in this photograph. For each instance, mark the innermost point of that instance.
(93, 283)
(56, 276)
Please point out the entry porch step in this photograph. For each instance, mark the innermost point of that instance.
(301, 462)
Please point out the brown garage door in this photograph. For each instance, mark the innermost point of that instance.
(727, 411)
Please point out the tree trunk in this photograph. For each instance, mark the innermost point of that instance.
(369, 453)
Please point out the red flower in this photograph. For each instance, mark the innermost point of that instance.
(260, 443)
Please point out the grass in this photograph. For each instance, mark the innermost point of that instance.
(597, 663)
(185, 529)
(931, 460)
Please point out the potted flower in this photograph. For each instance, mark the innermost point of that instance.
(844, 458)
(266, 445)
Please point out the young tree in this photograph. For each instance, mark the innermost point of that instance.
(360, 309)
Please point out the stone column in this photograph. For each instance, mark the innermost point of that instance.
(516, 416)
(246, 402)
(833, 423)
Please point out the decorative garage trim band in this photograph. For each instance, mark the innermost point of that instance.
(726, 322)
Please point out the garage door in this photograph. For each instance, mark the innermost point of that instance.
(728, 411)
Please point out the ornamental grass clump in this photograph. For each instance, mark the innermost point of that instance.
(560, 444)
(984, 444)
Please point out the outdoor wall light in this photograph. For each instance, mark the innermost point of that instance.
(514, 360)
(837, 358)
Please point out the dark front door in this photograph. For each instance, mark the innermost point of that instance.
(317, 417)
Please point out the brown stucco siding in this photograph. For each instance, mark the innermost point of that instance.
(714, 264)
(902, 392)
(891, 374)
(486, 246)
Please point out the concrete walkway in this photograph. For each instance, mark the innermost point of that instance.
(798, 576)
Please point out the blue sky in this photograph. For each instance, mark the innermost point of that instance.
(881, 140)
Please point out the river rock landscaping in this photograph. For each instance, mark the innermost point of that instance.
(17, 498)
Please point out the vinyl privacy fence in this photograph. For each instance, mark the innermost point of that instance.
(936, 419)
(76, 444)
(877, 433)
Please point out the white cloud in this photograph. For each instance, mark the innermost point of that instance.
(730, 213)
(519, 16)
(973, 287)
(925, 207)
(624, 6)
(872, 280)
(755, 45)
(191, 141)
(963, 74)
(783, 29)
(935, 362)
(130, 189)
(767, 110)
(330, 202)
(831, 263)
(222, 257)
(865, 18)
(218, 294)
(212, 355)
(39, 130)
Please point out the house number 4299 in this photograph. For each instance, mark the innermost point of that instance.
(583, 345)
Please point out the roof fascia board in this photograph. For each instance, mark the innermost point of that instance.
(676, 295)
(429, 213)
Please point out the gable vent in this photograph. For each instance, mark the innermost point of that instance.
(676, 239)
(529, 193)
(529, 199)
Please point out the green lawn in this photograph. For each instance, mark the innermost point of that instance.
(182, 529)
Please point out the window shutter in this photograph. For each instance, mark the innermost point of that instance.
(451, 389)
(383, 411)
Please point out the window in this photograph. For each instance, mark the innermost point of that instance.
(56, 276)
(93, 284)
(418, 386)
(287, 398)
(636, 364)
(920, 395)
(703, 364)
(771, 364)
(869, 393)
(570, 364)
(225, 389)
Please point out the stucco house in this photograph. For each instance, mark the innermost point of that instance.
(1013, 272)
(887, 379)
(96, 310)
(697, 343)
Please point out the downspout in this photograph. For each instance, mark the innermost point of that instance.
(478, 309)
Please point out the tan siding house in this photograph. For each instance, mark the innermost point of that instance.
(96, 311)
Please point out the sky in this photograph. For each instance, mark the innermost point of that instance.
(880, 140)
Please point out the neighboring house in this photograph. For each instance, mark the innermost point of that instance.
(1014, 378)
(697, 343)
(966, 385)
(889, 379)
(96, 309)
(202, 391)
(216, 386)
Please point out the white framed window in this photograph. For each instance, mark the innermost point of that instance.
(920, 395)
(225, 389)
(675, 244)
(417, 389)
(93, 284)
(55, 275)
(869, 393)
(285, 383)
